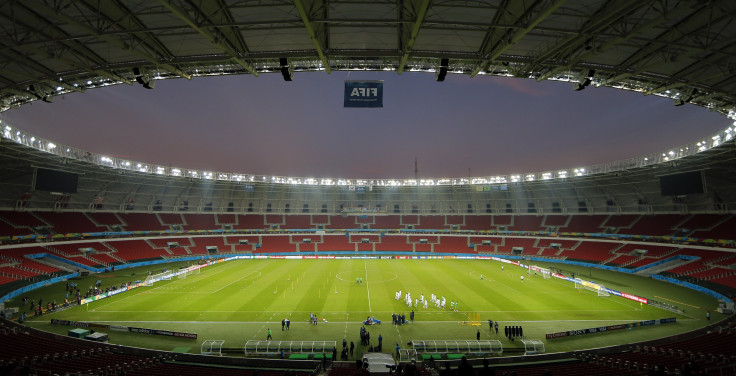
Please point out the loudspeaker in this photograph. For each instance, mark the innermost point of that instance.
(285, 70)
(442, 72)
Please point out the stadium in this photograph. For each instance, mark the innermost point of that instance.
(115, 266)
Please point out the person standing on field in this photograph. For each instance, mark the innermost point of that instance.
(269, 334)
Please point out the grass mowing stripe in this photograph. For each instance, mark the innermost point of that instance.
(245, 304)
(368, 290)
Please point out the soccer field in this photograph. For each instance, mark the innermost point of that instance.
(240, 300)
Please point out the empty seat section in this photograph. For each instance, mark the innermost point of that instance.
(74, 249)
(297, 222)
(394, 243)
(6, 229)
(21, 219)
(724, 230)
(563, 243)
(703, 222)
(555, 220)
(135, 250)
(104, 219)
(200, 222)
(453, 244)
(387, 222)
(591, 251)
(652, 250)
(70, 222)
(457, 220)
(686, 269)
(511, 243)
(584, 224)
(164, 242)
(621, 221)
(502, 220)
(251, 222)
(729, 281)
(431, 222)
(431, 239)
(17, 271)
(477, 222)
(655, 225)
(169, 219)
(226, 219)
(335, 243)
(233, 242)
(142, 222)
(201, 244)
(712, 272)
(526, 223)
(340, 222)
(105, 258)
(621, 260)
(276, 243)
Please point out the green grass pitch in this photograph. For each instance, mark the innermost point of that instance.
(240, 300)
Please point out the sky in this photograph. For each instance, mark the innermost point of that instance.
(461, 127)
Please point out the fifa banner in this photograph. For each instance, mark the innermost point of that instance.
(609, 328)
(363, 94)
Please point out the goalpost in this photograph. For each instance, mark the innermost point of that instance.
(600, 290)
(183, 274)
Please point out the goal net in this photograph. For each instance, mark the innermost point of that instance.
(602, 291)
(183, 274)
(546, 273)
(579, 284)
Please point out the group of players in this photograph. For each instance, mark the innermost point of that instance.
(438, 302)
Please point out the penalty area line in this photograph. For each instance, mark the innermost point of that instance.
(675, 301)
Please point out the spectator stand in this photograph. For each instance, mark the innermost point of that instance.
(456, 349)
(533, 346)
(294, 349)
(212, 347)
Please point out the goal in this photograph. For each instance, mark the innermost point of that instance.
(600, 290)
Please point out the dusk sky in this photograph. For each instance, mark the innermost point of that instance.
(263, 125)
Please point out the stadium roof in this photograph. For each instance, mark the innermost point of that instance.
(685, 50)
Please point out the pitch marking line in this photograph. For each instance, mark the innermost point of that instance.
(365, 265)
(675, 301)
(264, 323)
(387, 312)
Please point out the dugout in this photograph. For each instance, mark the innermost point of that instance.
(475, 348)
(533, 346)
(274, 348)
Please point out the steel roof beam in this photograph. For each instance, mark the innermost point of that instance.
(693, 23)
(676, 12)
(51, 12)
(308, 25)
(603, 18)
(409, 44)
(43, 28)
(232, 42)
(504, 43)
